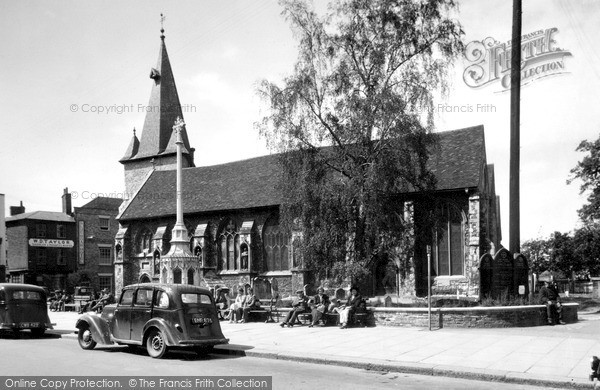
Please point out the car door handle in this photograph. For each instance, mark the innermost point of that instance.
(148, 311)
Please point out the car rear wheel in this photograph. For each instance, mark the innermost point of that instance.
(84, 337)
(156, 344)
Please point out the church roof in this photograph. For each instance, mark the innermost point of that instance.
(162, 111)
(457, 163)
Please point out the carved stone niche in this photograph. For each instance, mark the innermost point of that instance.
(200, 241)
(245, 246)
(160, 240)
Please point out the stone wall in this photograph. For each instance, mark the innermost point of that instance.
(476, 317)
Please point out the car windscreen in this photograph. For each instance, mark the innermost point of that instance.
(26, 295)
(195, 299)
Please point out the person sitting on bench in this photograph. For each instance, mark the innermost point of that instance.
(347, 311)
(106, 299)
(299, 306)
(319, 306)
(550, 298)
(252, 303)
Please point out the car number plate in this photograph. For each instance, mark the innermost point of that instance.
(29, 325)
(201, 320)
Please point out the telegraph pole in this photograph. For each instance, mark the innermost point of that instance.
(515, 117)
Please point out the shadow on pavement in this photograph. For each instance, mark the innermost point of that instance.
(26, 335)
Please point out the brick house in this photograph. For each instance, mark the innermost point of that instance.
(96, 230)
(41, 246)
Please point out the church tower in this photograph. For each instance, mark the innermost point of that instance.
(157, 148)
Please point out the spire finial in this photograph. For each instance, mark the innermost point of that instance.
(134, 131)
(162, 27)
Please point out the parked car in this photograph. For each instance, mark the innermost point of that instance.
(23, 306)
(82, 295)
(157, 316)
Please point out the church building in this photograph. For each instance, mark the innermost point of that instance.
(231, 213)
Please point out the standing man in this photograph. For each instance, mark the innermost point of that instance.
(299, 306)
(550, 298)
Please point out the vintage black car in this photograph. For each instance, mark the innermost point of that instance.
(158, 316)
(23, 306)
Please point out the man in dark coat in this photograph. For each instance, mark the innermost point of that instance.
(299, 306)
(550, 298)
(319, 305)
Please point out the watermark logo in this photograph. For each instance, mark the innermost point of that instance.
(490, 59)
(119, 109)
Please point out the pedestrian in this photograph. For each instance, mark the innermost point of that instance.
(235, 310)
(550, 297)
(105, 299)
(251, 303)
(352, 305)
(299, 306)
(320, 304)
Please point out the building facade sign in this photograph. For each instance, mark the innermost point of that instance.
(490, 60)
(81, 252)
(43, 242)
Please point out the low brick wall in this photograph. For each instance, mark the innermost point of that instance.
(471, 317)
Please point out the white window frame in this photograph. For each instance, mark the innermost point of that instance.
(102, 260)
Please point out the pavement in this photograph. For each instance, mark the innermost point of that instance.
(550, 356)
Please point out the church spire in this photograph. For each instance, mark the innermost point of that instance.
(158, 138)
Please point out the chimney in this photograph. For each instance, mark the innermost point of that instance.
(66, 202)
(14, 210)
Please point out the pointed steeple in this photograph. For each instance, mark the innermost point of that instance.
(162, 111)
(156, 149)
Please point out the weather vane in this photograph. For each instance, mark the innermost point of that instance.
(162, 27)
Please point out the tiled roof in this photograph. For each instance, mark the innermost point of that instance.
(457, 163)
(459, 160)
(236, 185)
(103, 203)
(43, 216)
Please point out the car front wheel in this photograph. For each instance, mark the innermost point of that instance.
(156, 344)
(84, 337)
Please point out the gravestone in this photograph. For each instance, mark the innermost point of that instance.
(503, 274)
(521, 274)
(486, 275)
(503, 268)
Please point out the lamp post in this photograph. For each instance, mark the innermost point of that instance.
(429, 284)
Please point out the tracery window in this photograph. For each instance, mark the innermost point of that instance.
(229, 245)
(449, 241)
(144, 240)
(276, 246)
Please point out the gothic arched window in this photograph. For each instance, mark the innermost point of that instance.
(190, 276)
(229, 245)
(177, 276)
(144, 241)
(276, 249)
(449, 236)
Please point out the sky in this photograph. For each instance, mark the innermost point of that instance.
(75, 80)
